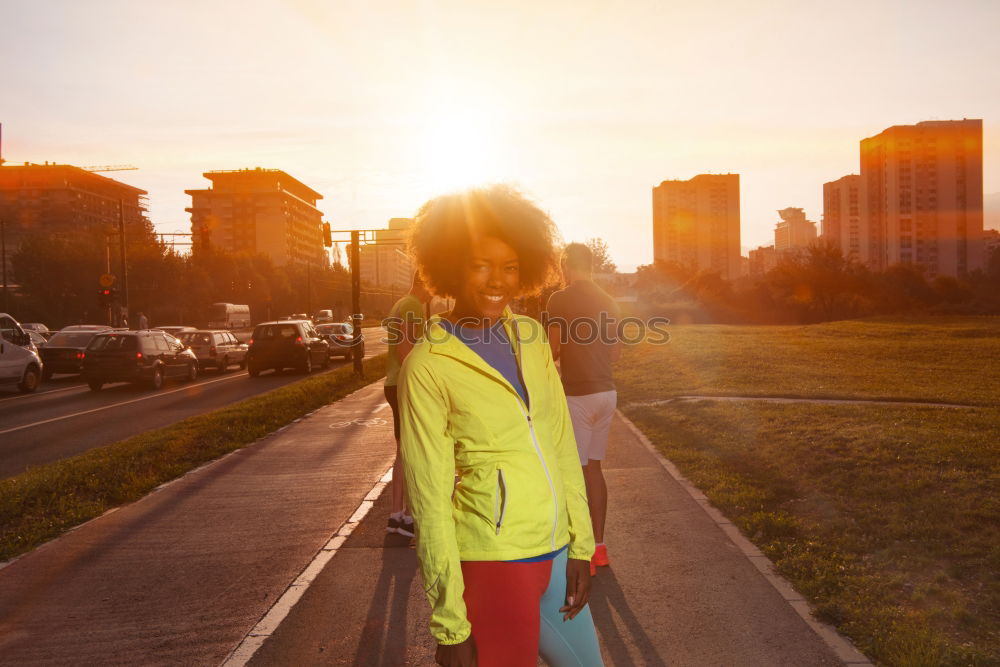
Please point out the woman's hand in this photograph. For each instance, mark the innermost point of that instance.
(577, 587)
(457, 655)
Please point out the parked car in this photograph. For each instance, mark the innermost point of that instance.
(174, 330)
(215, 349)
(340, 335)
(20, 365)
(286, 344)
(37, 327)
(63, 353)
(36, 338)
(137, 357)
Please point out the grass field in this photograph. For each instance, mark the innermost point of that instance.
(886, 517)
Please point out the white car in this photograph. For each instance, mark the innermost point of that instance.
(215, 348)
(20, 365)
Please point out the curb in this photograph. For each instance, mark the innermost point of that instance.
(839, 644)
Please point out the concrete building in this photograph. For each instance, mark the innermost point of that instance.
(63, 200)
(385, 264)
(924, 196)
(259, 211)
(794, 232)
(845, 223)
(696, 223)
(762, 260)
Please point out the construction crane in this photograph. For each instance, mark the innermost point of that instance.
(110, 167)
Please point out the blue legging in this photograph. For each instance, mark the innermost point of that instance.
(570, 643)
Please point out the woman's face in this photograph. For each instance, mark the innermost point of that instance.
(492, 279)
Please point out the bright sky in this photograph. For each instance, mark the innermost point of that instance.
(585, 104)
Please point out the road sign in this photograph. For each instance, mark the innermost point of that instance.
(107, 279)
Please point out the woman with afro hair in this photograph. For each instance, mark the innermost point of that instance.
(504, 552)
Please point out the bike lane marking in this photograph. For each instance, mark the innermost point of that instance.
(251, 643)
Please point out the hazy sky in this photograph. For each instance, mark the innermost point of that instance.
(585, 105)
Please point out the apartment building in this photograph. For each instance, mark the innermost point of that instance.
(924, 196)
(794, 231)
(696, 223)
(845, 223)
(385, 263)
(259, 211)
(64, 200)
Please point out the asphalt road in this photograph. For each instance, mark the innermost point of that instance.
(64, 418)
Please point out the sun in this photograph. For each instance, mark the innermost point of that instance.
(460, 148)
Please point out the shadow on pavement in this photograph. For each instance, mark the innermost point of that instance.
(383, 639)
(624, 641)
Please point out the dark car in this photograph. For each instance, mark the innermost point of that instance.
(287, 344)
(63, 353)
(137, 357)
(340, 335)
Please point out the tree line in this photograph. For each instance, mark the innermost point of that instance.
(57, 277)
(816, 285)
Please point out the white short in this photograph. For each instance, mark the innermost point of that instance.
(592, 415)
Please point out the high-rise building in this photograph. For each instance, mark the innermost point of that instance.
(924, 196)
(259, 211)
(385, 263)
(696, 223)
(63, 200)
(794, 232)
(845, 224)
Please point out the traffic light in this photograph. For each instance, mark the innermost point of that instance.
(107, 296)
(327, 235)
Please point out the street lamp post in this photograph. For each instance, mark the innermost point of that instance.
(3, 254)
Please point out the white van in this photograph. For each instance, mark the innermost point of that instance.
(229, 316)
(20, 365)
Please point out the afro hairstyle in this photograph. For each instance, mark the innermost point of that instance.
(443, 231)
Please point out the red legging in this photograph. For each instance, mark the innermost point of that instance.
(502, 602)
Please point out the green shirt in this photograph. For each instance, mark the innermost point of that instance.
(407, 309)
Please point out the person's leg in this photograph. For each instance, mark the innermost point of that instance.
(397, 519)
(503, 603)
(597, 497)
(602, 407)
(566, 643)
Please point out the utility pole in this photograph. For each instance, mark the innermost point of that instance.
(356, 314)
(3, 254)
(309, 309)
(121, 246)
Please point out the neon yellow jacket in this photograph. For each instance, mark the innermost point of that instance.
(520, 492)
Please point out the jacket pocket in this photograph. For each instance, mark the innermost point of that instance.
(499, 500)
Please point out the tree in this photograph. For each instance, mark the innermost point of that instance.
(602, 260)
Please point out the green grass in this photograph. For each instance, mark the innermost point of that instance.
(886, 517)
(45, 501)
(947, 360)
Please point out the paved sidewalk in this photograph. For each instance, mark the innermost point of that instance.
(679, 591)
(179, 577)
(183, 575)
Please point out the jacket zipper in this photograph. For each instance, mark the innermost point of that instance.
(500, 502)
(548, 476)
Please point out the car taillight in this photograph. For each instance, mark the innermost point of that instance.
(250, 342)
(80, 355)
(342, 337)
(211, 351)
(298, 341)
